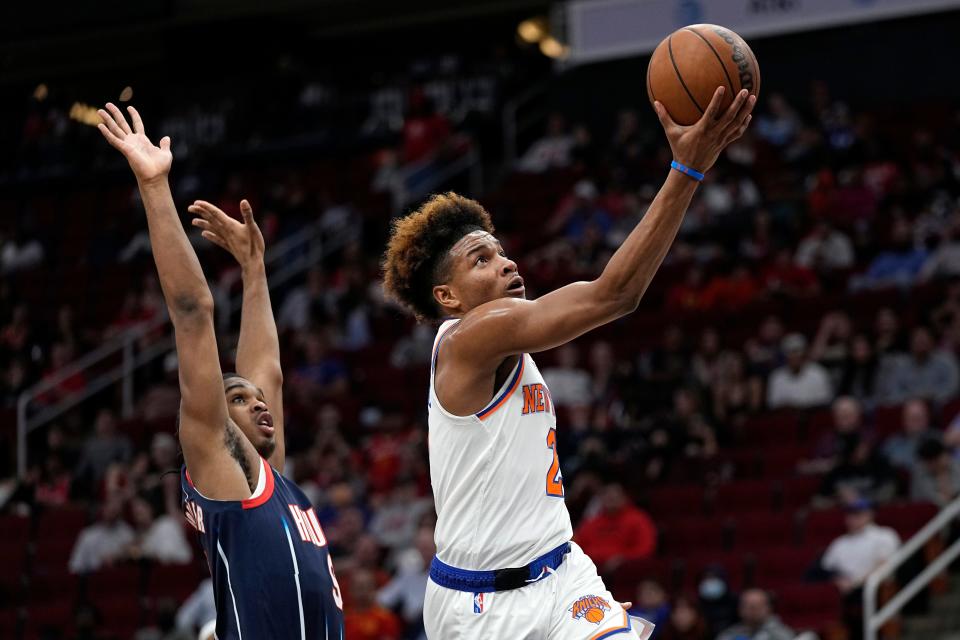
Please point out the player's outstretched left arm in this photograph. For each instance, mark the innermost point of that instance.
(258, 350)
(509, 326)
(203, 409)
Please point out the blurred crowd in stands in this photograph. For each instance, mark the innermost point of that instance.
(816, 273)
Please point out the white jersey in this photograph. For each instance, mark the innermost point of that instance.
(495, 474)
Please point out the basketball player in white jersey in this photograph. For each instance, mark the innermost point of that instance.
(506, 568)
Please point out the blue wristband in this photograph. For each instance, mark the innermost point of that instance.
(687, 171)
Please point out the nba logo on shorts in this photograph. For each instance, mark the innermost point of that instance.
(478, 603)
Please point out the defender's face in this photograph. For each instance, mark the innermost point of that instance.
(481, 271)
(248, 410)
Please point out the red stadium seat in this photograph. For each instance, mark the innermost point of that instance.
(51, 556)
(173, 581)
(822, 527)
(754, 531)
(16, 529)
(746, 461)
(694, 533)
(781, 461)
(53, 614)
(773, 427)
(8, 623)
(798, 491)
(887, 421)
(819, 422)
(48, 586)
(743, 495)
(949, 411)
(626, 578)
(907, 518)
(61, 522)
(13, 559)
(803, 606)
(778, 566)
(122, 613)
(122, 579)
(676, 500)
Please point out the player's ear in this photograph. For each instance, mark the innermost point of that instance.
(446, 297)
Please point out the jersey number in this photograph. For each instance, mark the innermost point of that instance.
(336, 585)
(554, 478)
(311, 531)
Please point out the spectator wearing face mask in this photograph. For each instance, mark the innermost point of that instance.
(757, 620)
(717, 601)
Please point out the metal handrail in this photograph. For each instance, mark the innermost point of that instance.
(511, 128)
(132, 361)
(873, 619)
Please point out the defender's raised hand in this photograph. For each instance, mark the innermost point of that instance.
(148, 161)
(242, 239)
(699, 145)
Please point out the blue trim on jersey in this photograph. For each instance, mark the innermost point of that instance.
(436, 349)
(483, 581)
(507, 389)
(614, 632)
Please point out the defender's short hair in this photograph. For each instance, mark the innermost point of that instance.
(415, 259)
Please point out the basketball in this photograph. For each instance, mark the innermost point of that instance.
(688, 66)
(594, 615)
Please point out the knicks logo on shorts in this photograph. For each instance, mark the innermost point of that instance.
(590, 608)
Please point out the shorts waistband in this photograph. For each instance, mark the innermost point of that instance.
(497, 579)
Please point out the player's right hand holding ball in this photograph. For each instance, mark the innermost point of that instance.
(700, 144)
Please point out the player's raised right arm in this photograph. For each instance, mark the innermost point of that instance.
(203, 412)
(508, 326)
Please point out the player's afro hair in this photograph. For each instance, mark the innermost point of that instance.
(414, 262)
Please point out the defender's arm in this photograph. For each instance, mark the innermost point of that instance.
(258, 349)
(203, 413)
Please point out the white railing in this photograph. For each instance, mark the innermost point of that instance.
(514, 125)
(873, 619)
(311, 248)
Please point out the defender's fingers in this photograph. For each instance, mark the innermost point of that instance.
(114, 141)
(210, 211)
(110, 123)
(712, 112)
(136, 120)
(200, 223)
(118, 117)
(215, 239)
(165, 143)
(246, 211)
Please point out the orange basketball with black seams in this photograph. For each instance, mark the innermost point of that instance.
(594, 615)
(688, 66)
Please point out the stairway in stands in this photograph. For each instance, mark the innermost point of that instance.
(942, 622)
